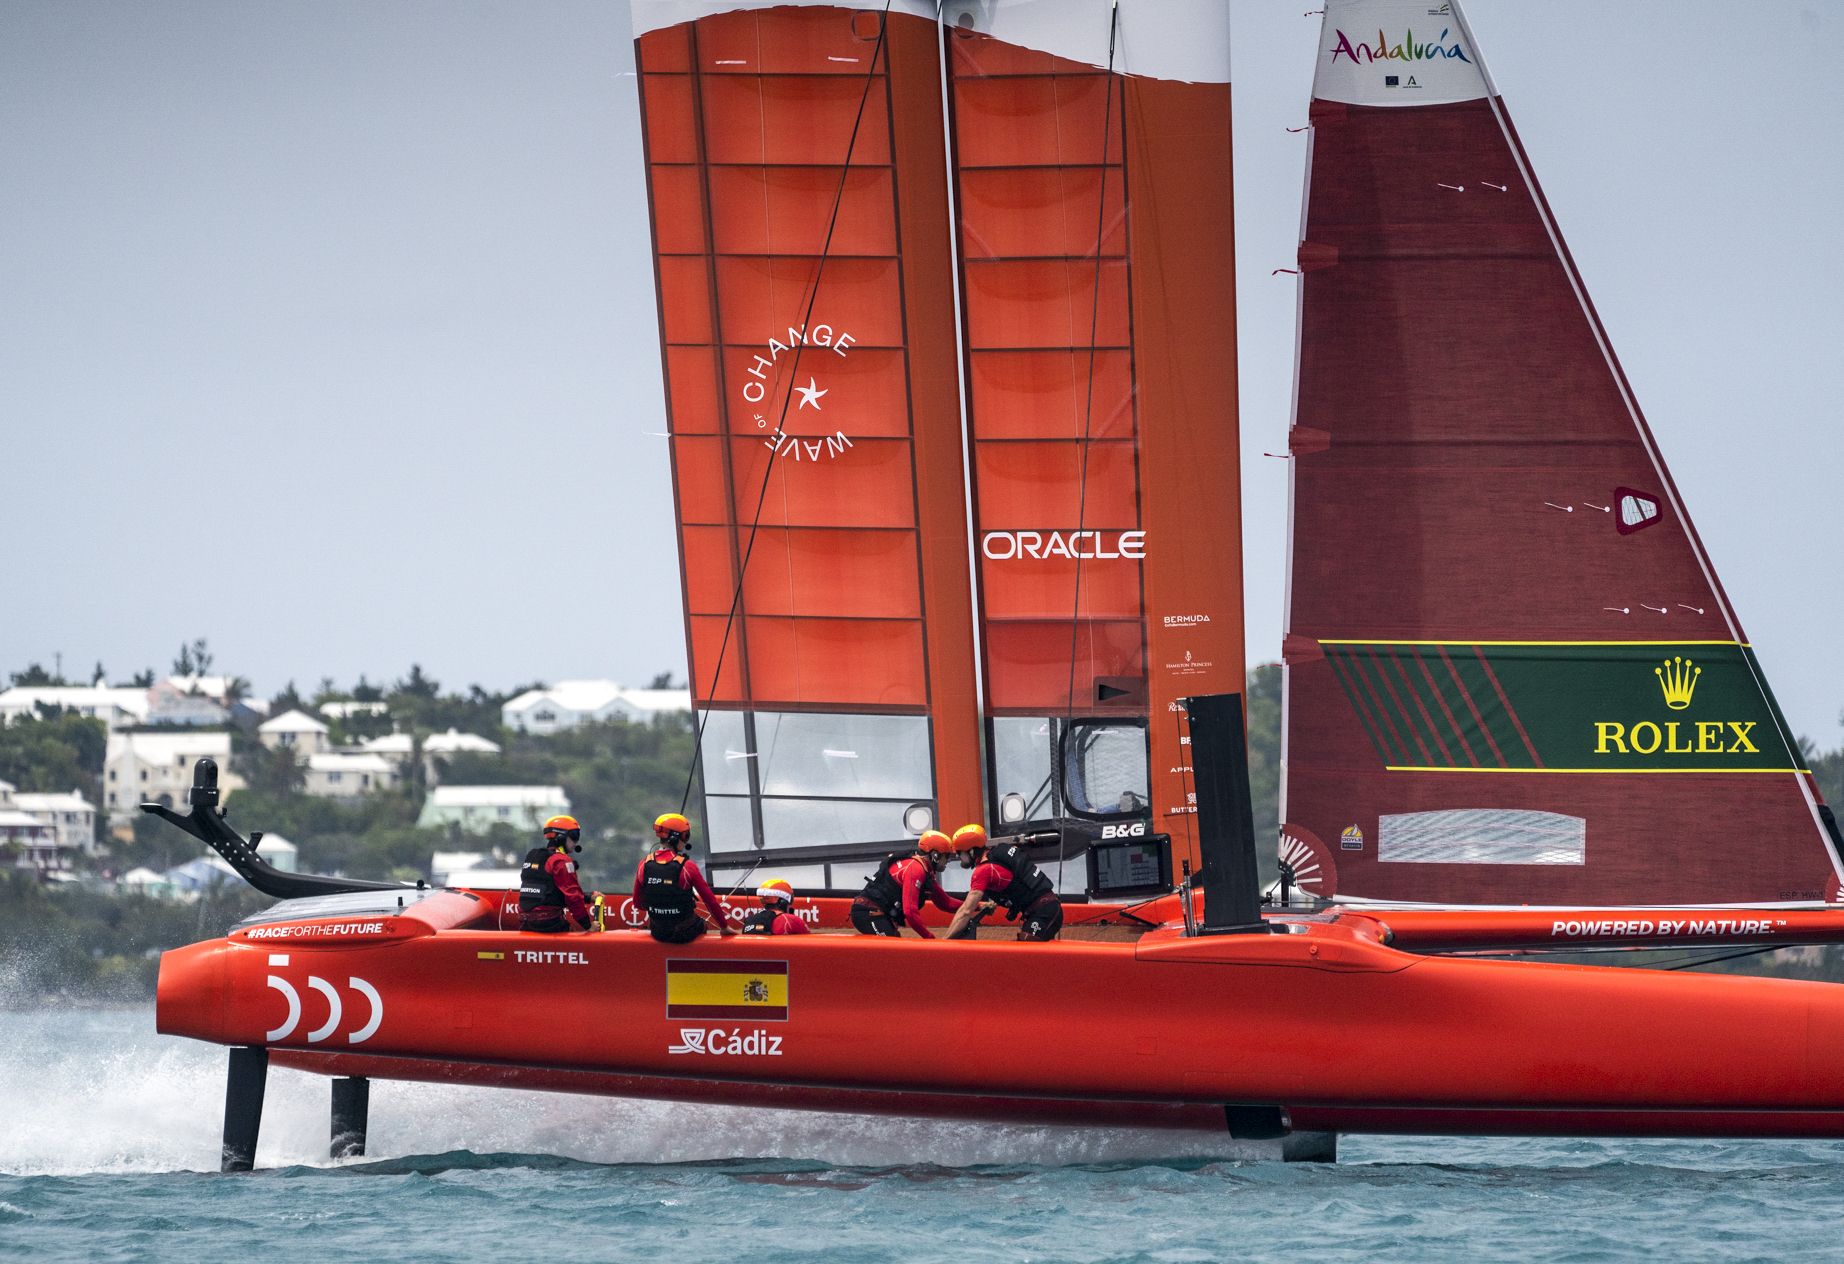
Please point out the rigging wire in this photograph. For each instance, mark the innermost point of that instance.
(1088, 420)
(768, 469)
(1730, 956)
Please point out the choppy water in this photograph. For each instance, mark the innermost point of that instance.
(109, 1133)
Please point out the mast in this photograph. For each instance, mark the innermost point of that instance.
(1513, 676)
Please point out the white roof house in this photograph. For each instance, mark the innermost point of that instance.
(295, 730)
(71, 818)
(476, 808)
(471, 869)
(115, 707)
(346, 708)
(214, 687)
(569, 703)
(341, 775)
(157, 767)
(144, 881)
(454, 742)
(38, 845)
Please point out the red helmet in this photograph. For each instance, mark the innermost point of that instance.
(672, 829)
(562, 829)
(776, 889)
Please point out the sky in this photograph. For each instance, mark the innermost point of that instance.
(327, 329)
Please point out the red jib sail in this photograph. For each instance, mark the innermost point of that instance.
(909, 257)
(1513, 677)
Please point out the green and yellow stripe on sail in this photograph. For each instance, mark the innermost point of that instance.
(1563, 707)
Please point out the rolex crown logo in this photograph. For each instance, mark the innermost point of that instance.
(1678, 678)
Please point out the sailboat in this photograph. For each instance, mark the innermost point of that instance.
(947, 326)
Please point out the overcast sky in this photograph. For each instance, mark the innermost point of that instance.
(327, 329)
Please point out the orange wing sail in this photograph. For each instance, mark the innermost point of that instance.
(947, 309)
(796, 170)
(1092, 179)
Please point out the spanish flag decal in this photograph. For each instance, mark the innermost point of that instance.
(750, 990)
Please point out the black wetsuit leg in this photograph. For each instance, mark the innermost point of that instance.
(1043, 922)
(677, 932)
(869, 921)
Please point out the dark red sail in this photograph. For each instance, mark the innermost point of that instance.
(1513, 677)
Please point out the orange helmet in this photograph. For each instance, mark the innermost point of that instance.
(776, 889)
(672, 828)
(935, 843)
(969, 837)
(563, 831)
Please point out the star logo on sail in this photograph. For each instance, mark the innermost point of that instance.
(800, 351)
(810, 395)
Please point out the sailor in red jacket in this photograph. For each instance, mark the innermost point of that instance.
(668, 886)
(776, 916)
(1004, 877)
(900, 885)
(550, 897)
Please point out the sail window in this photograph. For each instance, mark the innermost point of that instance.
(1637, 511)
(813, 781)
(1105, 769)
(1024, 766)
(1482, 836)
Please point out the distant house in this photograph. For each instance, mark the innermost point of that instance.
(400, 747)
(397, 747)
(143, 881)
(345, 775)
(477, 808)
(471, 869)
(569, 703)
(346, 708)
(217, 688)
(196, 876)
(115, 707)
(141, 767)
(296, 731)
(181, 700)
(71, 818)
(37, 841)
(455, 742)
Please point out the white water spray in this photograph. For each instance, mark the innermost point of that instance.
(98, 1091)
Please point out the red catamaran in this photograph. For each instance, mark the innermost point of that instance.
(947, 321)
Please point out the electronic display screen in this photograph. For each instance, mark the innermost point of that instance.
(1142, 864)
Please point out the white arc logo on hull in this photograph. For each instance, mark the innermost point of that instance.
(335, 1007)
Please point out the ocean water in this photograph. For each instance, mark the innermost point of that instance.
(109, 1138)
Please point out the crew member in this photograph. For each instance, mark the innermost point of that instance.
(1004, 877)
(669, 885)
(776, 916)
(900, 885)
(550, 897)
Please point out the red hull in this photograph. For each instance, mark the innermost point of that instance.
(1328, 1023)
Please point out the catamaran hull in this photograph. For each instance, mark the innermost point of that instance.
(1326, 1025)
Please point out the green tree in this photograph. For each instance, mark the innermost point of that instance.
(36, 677)
(194, 659)
(55, 752)
(1263, 701)
(287, 700)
